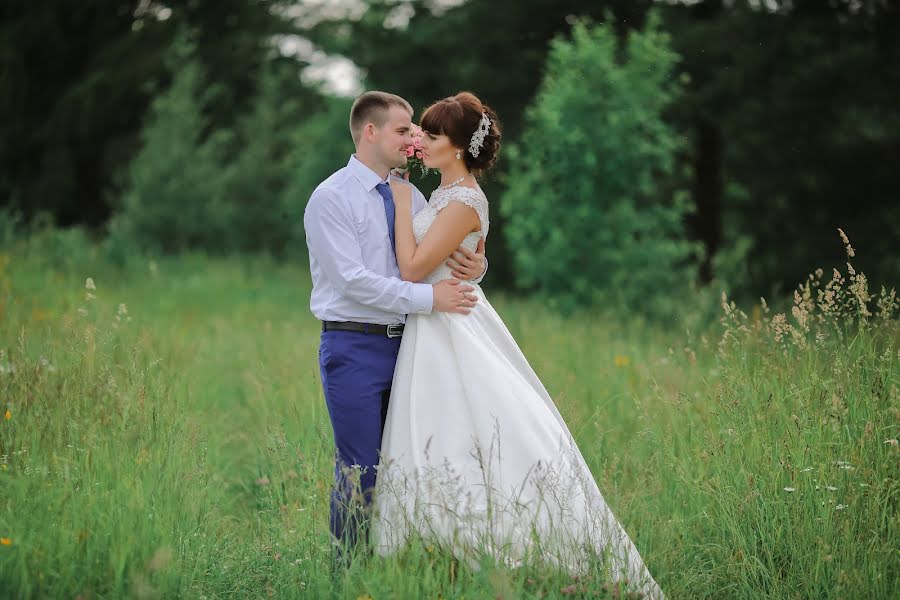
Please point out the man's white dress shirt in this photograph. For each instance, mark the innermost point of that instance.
(354, 271)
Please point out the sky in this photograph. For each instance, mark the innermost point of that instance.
(338, 75)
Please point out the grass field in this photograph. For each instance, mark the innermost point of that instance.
(163, 434)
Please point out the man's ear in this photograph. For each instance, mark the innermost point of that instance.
(369, 131)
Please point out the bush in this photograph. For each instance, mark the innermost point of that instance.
(589, 221)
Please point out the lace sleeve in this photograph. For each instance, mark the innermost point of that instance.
(470, 197)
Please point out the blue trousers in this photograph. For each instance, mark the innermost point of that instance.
(357, 369)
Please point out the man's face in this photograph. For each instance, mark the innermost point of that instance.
(393, 138)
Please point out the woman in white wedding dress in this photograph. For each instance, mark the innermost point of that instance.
(475, 456)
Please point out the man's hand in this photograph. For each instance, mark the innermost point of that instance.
(467, 265)
(454, 297)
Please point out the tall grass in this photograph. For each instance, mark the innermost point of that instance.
(163, 434)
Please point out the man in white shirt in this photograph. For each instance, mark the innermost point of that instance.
(361, 300)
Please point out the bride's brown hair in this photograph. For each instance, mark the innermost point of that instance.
(458, 118)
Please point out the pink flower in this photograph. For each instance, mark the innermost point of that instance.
(410, 150)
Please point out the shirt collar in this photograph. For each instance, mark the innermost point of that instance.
(366, 176)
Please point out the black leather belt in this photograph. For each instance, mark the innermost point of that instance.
(392, 331)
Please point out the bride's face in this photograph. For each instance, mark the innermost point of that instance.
(438, 151)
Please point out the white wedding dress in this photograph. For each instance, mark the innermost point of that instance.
(475, 456)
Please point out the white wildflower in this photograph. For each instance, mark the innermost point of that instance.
(850, 252)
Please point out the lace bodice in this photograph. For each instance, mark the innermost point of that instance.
(440, 198)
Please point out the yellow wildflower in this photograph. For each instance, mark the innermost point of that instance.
(622, 361)
(7, 415)
(5, 541)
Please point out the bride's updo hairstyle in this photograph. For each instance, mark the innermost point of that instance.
(458, 117)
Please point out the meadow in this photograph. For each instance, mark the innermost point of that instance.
(163, 434)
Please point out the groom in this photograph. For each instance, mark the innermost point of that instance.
(361, 300)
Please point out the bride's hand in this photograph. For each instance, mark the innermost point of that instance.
(402, 192)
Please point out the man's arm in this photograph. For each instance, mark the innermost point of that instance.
(332, 241)
(465, 264)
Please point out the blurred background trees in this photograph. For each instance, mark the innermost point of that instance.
(180, 125)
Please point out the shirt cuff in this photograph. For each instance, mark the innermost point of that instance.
(422, 298)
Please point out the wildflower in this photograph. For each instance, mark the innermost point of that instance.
(790, 489)
(262, 481)
(83, 312)
(806, 470)
(830, 488)
(887, 303)
(89, 284)
(850, 252)
(622, 361)
(780, 327)
(5, 541)
(841, 507)
(7, 415)
(860, 289)
(892, 442)
(842, 464)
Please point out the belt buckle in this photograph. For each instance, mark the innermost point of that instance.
(394, 331)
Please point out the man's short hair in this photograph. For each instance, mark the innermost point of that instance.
(373, 107)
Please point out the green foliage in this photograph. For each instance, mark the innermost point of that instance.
(257, 178)
(321, 146)
(589, 220)
(195, 186)
(76, 85)
(174, 197)
(167, 438)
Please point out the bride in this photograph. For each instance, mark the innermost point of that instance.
(475, 456)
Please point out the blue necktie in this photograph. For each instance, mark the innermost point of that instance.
(388, 196)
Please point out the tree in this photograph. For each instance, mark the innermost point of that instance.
(494, 48)
(174, 197)
(794, 129)
(585, 217)
(76, 84)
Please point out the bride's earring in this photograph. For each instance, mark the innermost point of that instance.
(458, 154)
